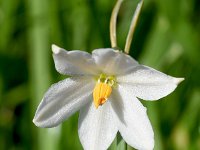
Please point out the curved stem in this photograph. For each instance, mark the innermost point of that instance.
(132, 27)
(113, 22)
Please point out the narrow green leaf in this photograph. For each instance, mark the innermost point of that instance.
(121, 145)
(39, 53)
(113, 145)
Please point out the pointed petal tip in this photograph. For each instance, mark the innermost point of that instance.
(35, 122)
(55, 49)
(38, 124)
(178, 80)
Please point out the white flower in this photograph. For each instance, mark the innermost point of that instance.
(104, 86)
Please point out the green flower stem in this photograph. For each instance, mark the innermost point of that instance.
(40, 80)
(113, 23)
(132, 27)
(119, 143)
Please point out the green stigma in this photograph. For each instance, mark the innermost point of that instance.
(108, 79)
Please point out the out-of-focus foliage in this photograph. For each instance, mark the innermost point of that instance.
(167, 38)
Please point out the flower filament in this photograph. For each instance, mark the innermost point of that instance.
(103, 89)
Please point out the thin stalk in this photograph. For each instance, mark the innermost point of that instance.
(132, 27)
(113, 22)
(118, 143)
(121, 145)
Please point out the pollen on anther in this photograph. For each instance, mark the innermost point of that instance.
(101, 93)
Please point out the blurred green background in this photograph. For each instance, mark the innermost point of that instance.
(167, 38)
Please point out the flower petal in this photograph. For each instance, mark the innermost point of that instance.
(73, 62)
(133, 123)
(62, 100)
(96, 127)
(148, 83)
(113, 61)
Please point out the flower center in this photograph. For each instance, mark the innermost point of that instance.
(103, 89)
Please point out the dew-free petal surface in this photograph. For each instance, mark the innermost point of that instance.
(62, 100)
(148, 83)
(74, 62)
(113, 62)
(97, 129)
(133, 123)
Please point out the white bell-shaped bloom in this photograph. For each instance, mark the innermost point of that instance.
(104, 86)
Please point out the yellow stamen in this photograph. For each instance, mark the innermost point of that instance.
(101, 93)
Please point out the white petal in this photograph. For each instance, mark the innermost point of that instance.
(148, 83)
(133, 123)
(113, 61)
(97, 129)
(73, 62)
(62, 100)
